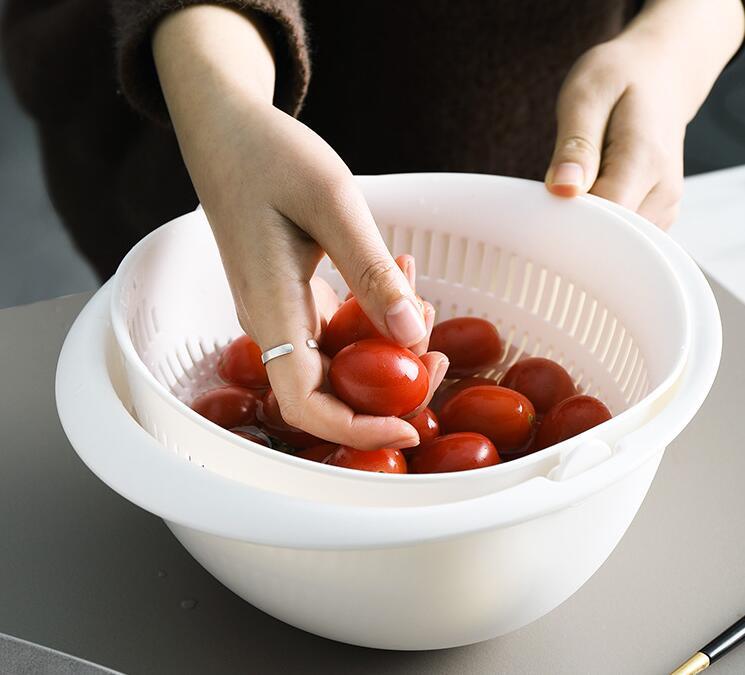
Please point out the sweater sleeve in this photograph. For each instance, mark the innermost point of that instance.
(135, 20)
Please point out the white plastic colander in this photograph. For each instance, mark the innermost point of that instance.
(462, 557)
(573, 282)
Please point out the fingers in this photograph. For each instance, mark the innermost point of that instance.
(631, 162)
(297, 380)
(437, 365)
(407, 265)
(614, 140)
(326, 299)
(323, 415)
(582, 114)
(344, 227)
(662, 204)
(270, 280)
(639, 168)
(624, 180)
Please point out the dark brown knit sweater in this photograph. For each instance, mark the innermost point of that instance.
(398, 85)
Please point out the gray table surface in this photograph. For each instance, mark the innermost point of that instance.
(85, 572)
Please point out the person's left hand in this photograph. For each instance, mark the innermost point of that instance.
(624, 106)
(621, 125)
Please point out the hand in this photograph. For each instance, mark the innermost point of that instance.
(623, 109)
(292, 201)
(278, 197)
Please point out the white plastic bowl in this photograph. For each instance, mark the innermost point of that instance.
(416, 577)
(567, 280)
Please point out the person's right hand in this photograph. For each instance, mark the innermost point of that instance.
(277, 197)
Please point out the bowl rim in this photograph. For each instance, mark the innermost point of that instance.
(134, 464)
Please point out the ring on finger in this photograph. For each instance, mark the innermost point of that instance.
(283, 349)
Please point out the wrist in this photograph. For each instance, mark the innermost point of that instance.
(689, 42)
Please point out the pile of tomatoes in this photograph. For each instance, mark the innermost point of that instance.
(471, 422)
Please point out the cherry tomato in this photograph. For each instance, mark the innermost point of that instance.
(229, 406)
(446, 392)
(349, 324)
(526, 449)
(504, 416)
(544, 382)
(427, 426)
(317, 453)
(471, 344)
(252, 437)
(269, 415)
(240, 363)
(387, 460)
(377, 377)
(454, 452)
(571, 417)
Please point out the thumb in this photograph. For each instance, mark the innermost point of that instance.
(348, 233)
(582, 120)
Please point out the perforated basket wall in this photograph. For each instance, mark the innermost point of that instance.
(565, 280)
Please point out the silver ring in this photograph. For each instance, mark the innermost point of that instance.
(286, 348)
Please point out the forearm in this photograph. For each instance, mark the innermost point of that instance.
(698, 36)
(212, 48)
(211, 61)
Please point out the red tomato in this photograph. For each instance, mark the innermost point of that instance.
(252, 437)
(446, 392)
(377, 377)
(427, 426)
(240, 363)
(349, 324)
(386, 460)
(270, 417)
(571, 417)
(504, 416)
(454, 452)
(528, 448)
(317, 453)
(471, 344)
(543, 382)
(229, 406)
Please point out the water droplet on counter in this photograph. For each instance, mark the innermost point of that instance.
(188, 604)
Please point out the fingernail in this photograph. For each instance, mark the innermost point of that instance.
(405, 322)
(568, 173)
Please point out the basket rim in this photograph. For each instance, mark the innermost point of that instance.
(608, 429)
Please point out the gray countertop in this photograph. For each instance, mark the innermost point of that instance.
(85, 572)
